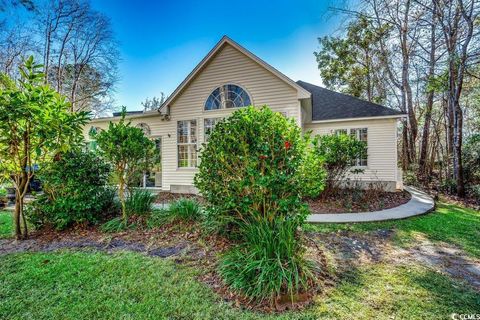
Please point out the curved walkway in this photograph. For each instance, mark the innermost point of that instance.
(420, 203)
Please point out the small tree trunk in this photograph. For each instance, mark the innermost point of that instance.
(16, 216)
(121, 195)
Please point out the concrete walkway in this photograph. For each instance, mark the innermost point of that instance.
(420, 203)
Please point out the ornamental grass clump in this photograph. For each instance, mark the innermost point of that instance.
(253, 174)
(270, 263)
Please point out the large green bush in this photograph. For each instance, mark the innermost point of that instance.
(254, 172)
(75, 192)
(253, 168)
(339, 153)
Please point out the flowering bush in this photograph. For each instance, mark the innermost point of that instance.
(254, 167)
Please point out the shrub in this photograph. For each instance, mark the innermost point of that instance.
(128, 150)
(182, 209)
(339, 152)
(157, 218)
(253, 174)
(75, 192)
(116, 224)
(185, 209)
(270, 263)
(252, 168)
(471, 159)
(139, 203)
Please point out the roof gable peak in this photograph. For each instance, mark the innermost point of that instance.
(302, 93)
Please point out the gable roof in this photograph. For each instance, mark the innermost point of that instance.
(302, 93)
(331, 105)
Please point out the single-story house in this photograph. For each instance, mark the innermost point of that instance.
(231, 77)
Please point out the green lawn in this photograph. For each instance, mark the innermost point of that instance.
(92, 285)
(449, 223)
(74, 285)
(6, 224)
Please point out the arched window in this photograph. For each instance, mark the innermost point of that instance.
(145, 128)
(227, 96)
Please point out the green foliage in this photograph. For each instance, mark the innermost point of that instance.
(339, 153)
(251, 168)
(35, 125)
(312, 175)
(6, 224)
(252, 175)
(116, 224)
(185, 209)
(158, 218)
(270, 263)
(139, 203)
(182, 209)
(128, 150)
(75, 192)
(471, 159)
(350, 63)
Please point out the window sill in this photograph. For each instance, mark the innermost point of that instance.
(187, 168)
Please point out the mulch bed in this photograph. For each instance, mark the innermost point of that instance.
(350, 201)
(166, 197)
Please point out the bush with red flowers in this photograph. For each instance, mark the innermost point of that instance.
(254, 172)
(257, 165)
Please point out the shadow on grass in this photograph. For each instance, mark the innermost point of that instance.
(448, 223)
(384, 291)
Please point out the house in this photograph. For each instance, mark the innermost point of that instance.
(230, 77)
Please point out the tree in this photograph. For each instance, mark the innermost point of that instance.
(128, 150)
(154, 103)
(35, 126)
(458, 21)
(76, 45)
(350, 63)
(430, 57)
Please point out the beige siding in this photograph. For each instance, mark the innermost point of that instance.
(382, 145)
(228, 66)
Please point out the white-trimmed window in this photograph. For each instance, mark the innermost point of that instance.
(208, 126)
(227, 96)
(187, 143)
(360, 134)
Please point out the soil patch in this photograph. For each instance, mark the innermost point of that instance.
(167, 197)
(352, 200)
(350, 249)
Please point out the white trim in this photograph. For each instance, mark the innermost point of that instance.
(187, 143)
(359, 119)
(128, 116)
(224, 84)
(302, 93)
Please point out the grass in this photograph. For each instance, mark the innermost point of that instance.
(6, 224)
(86, 285)
(92, 285)
(448, 223)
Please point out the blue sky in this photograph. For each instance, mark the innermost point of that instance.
(162, 41)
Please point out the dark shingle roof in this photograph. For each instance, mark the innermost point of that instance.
(330, 105)
(118, 114)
